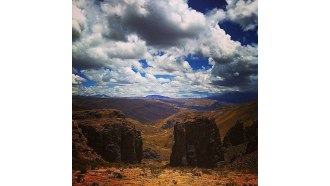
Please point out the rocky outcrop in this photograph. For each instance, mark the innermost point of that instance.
(197, 142)
(83, 157)
(240, 141)
(252, 137)
(239, 134)
(235, 135)
(110, 135)
(80, 149)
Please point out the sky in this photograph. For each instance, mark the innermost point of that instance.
(175, 48)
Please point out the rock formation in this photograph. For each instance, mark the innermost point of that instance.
(197, 142)
(252, 137)
(240, 140)
(80, 149)
(110, 135)
(235, 135)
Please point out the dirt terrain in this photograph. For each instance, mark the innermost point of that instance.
(238, 167)
(149, 173)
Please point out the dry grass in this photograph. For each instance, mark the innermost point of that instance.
(199, 102)
(155, 138)
(143, 110)
(160, 140)
(226, 117)
(141, 175)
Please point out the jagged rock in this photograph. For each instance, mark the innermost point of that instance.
(240, 141)
(252, 137)
(80, 149)
(251, 131)
(83, 157)
(131, 145)
(196, 143)
(178, 155)
(235, 135)
(111, 136)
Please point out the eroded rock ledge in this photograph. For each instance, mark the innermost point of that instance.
(110, 135)
(197, 142)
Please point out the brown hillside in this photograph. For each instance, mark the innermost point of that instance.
(161, 140)
(227, 116)
(144, 110)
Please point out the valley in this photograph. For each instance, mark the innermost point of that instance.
(155, 119)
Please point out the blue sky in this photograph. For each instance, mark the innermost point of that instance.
(198, 61)
(175, 48)
(207, 5)
(232, 28)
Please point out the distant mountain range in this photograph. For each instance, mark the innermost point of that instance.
(235, 97)
(144, 110)
(227, 97)
(101, 96)
(157, 97)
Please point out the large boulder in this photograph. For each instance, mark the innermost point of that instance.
(239, 134)
(197, 142)
(240, 140)
(80, 149)
(252, 137)
(83, 156)
(110, 135)
(235, 135)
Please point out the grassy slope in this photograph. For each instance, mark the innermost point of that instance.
(155, 138)
(140, 110)
(161, 139)
(144, 110)
(226, 117)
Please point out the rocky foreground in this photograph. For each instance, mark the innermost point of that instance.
(108, 150)
(104, 135)
(149, 175)
(197, 142)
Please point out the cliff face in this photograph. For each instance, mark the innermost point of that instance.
(80, 149)
(252, 137)
(197, 142)
(241, 146)
(110, 135)
(235, 135)
(239, 134)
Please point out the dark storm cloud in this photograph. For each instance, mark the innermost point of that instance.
(75, 34)
(224, 59)
(241, 71)
(157, 31)
(78, 23)
(85, 62)
(117, 30)
(116, 35)
(240, 74)
(161, 25)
